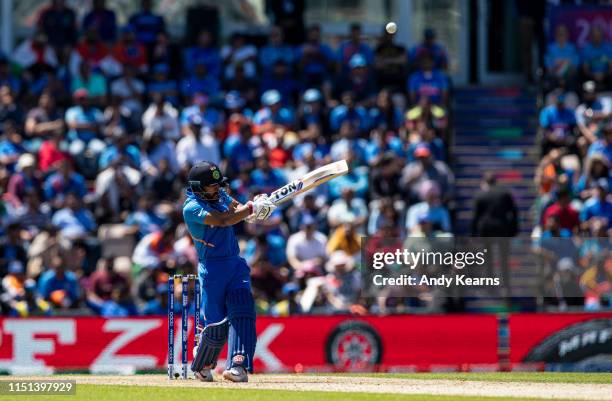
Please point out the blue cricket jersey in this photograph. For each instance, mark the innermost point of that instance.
(210, 242)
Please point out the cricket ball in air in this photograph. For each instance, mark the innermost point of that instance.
(391, 27)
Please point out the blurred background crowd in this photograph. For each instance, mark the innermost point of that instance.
(100, 123)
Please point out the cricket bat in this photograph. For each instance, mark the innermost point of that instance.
(309, 181)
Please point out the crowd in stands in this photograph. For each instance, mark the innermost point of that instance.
(574, 176)
(100, 123)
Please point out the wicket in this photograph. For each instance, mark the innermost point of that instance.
(184, 321)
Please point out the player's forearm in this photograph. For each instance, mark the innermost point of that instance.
(230, 217)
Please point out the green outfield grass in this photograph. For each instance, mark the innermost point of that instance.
(535, 377)
(87, 392)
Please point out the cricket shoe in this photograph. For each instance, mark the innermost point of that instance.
(237, 374)
(204, 375)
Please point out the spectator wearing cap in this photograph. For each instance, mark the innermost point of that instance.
(603, 145)
(204, 52)
(7, 76)
(431, 207)
(129, 51)
(593, 113)
(238, 52)
(276, 50)
(390, 63)
(358, 79)
(58, 22)
(103, 20)
(598, 206)
(561, 60)
(354, 45)
(59, 286)
(597, 58)
(279, 78)
(429, 82)
(210, 117)
(129, 89)
(429, 48)
(146, 23)
(84, 122)
(349, 111)
(315, 59)
(426, 168)
(24, 179)
(384, 115)
(198, 144)
(272, 115)
(63, 181)
(565, 212)
(201, 81)
(93, 82)
(44, 119)
(557, 124)
(161, 116)
(424, 135)
(313, 115)
(306, 249)
(161, 84)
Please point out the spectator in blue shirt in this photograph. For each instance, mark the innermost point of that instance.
(557, 124)
(280, 79)
(276, 50)
(265, 178)
(603, 145)
(11, 147)
(74, 221)
(238, 150)
(58, 285)
(7, 78)
(209, 116)
(203, 52)
(272, 113)
(428, 49)
(162, 85)
(430, 208)
(354, 46)
(598, 207)
(358, 80)
(314, 116)
(103, 20)
(428, 82)
(145, 219)
(315, 59)
(200, 82)
(83, 120)
(597, 57)
(384, 115)
(63, 181)
(561, 59)
(146, 24)
(120, 150)
(349, 111)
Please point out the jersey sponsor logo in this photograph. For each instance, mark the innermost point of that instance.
(287, 190)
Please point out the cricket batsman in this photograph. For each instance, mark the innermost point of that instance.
(229, 310)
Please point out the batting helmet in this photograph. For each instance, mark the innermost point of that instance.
(204, 174)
